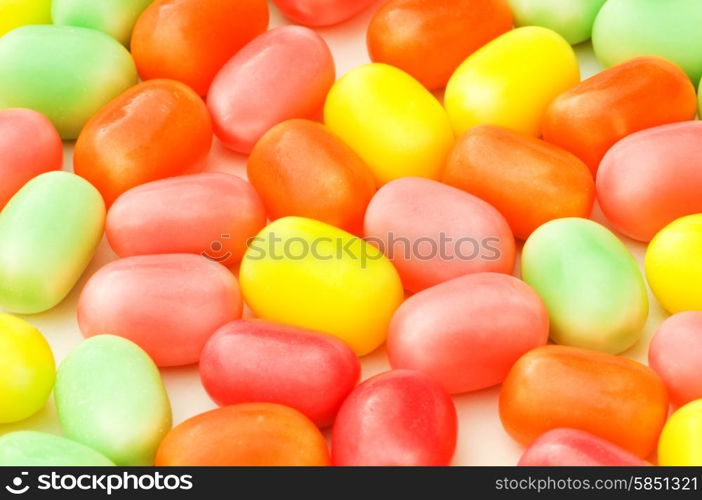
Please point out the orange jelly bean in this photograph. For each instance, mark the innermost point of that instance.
(250, 434)
(157, 129)
(614, 398)
(301, 168)
(589, 118)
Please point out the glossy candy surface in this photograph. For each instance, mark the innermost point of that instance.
(15, 13)
(321, 12)
(614, 398)
(169, 305)
(451, 331)
(680, 440)
(246, 361)
(250, 434)
(39, 449)
(572, 20)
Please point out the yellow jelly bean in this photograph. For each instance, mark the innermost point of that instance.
(674, 265)
(392, 122)
(310, 274)
(681, 439)
(16, 13)
(27, 369)
(511, 80)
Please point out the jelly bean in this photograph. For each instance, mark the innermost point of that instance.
(429, 39)
(65, 73)
(29, 146)
(394, 124)
(511, 80)
(14, 14)
(156, 129)
(32, 449)
(190, 40)
(434, 233)
(211, 214)
(169, 305)
(250, 434)
(572, 20)
(310, 274)
(642, 93)
(574, 448)
(282, 74)
(674, 265)
(300, 168)
(592, 286)
(675, 354)
(48, 234)
(27, 375)
(628, 28)
(614, 398)
(321, 12)
(397, 418)
(114, 17)
(511, 170)
(247, 361)
(110, 397)
(680, 440)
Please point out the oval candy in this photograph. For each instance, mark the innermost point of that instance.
(19, 13)
(679, 443)
(572, 20)
(39, 449)
(321, 12)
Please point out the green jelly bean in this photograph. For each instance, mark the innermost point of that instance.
(572, 19)
(49, 231)
(671, 29)
(591, 284)
(39, 449)
(114, 17)
(65, 73)
(110, 397)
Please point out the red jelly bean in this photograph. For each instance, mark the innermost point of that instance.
(321, 12)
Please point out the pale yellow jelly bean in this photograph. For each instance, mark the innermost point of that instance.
(681, 440)
(511, 80)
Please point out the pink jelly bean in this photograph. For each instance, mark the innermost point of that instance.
(29, 146)
(169, 305)
(676, 354)
(284, 73)
(261, 361)
(321, 12)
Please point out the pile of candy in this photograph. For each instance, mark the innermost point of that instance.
(378, 210)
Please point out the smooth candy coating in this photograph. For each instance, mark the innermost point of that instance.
(39, 449)
(156, 129)
(29, 146)
(283, 74)
(528, 180)
(63, 72)
(429, 39)
(209, 214)
(433, 233)
(300, 168)
(394, 124)
(451, 331)
(510, 81)
(680, 440)
(190, 40)
(675, 354)
(592, 116)
(28, 371)
(321, 12)
(572, 20)
(249, 435)
(110, 397)
(310, 274)
(612, 397)
(574, 448)
(48, 234)
(169, 305)
(674, 265)
(591, 284)
(397, 418)
(16, 13)
(261, 361)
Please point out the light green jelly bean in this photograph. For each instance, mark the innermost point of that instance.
(110, 397)
(114, 17)
(39, 449)
(49, 231)
(591, 284)
(671, 29)
(572, 19)
(65, 73)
